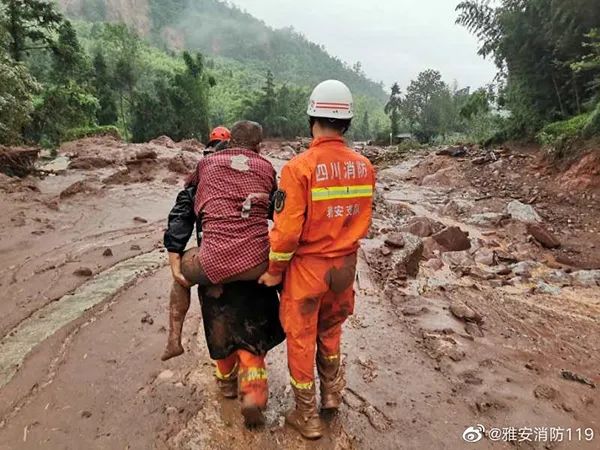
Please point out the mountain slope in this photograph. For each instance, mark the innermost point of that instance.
(219, 29)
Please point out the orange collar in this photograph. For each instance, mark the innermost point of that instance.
(326, 140)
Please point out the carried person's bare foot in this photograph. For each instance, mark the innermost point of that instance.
(174, 348)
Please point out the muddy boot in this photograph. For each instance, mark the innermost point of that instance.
(305, 417)
(332, 382)
(228, 387)
(252, 412)
(179, 304)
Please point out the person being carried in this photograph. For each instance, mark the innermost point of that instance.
(228, 197)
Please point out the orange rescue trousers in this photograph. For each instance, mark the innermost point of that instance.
(251, 372)
(317, 298)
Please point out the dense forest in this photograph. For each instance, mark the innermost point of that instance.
(65, 78)
(145, 68)
(548, 83)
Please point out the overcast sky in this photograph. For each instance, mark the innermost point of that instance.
(393, 39)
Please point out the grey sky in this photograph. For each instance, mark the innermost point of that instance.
(393, 39)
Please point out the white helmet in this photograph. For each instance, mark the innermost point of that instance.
(332, 100)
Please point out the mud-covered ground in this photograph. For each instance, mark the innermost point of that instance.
(464, 316)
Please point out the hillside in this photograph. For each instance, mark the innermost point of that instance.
(222, 30)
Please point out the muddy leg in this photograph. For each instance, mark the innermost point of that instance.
(179, 304)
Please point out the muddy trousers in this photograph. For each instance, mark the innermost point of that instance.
(317, 298)
(251, 373)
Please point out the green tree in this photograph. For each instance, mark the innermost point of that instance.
(62, 108)
(365, 127)
(30, 25)
(69, 61)
(534, 44)
(107, 113)
(178, 107)
(392, 109)
(17, 88)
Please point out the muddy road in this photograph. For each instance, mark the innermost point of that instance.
(478, 301)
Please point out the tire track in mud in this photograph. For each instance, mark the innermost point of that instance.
(46, 321)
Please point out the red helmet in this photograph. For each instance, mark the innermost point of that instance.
(220, 134)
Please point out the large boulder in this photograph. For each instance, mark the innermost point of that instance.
(422, 226)
(522, 212)
(394, 262)
(542, 235)
(452, 239)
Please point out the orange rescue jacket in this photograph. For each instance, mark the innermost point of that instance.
(324, 205)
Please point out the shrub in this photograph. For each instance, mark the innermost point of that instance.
(84, 132)
(592, 127)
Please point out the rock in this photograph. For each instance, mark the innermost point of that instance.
(146, 154)
(545, 288)
(571, 376)
(479, 161)
(406, 260)
(422, 226)
(485, 256)
(86, 414)
(463, 312)
(385, 251)
(558, 277)
(90, 163)
(545, 392)
(140, 219)
(435, 264)
(455, 207)
(395, 240)
(586, 278)
(135, 247)
(415, 310)
(522, 212)
(146, 318)
(472, 329)
(163, 141)
(524, 268)
(183, 163)
(107, 252)
(454, 152)
(542, 235)
(457, 259)
(166, 375)
(488, 219)
(441, 177)
(452, 239)
(83, 272)
(74, 189)
(191, 145)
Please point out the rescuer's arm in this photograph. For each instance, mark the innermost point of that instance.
(290, 213)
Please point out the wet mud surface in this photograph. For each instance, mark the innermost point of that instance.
(504, 334)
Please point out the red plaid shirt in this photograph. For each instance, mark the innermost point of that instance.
(233, 198)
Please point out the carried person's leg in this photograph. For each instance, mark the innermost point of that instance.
(179, 301)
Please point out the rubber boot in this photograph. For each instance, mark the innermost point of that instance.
(305, 417)
(331, 375)
(252, 412)
(228, 387)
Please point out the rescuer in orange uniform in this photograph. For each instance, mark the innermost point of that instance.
(322, 209)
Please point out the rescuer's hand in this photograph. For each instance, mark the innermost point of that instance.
(175, 263)
(270, 280)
